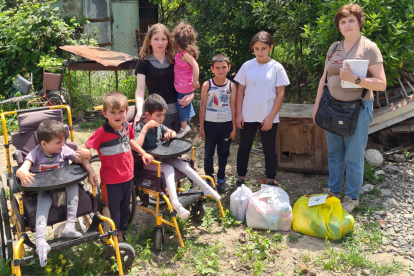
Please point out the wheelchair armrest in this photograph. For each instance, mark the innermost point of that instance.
(18, 157)
(72, 145)
(11, 182)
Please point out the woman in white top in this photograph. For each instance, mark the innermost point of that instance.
(260, 94)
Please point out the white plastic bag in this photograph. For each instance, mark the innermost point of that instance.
(239, 201)
(269, 208)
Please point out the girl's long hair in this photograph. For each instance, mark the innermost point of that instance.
(186, 37)
(146, 49)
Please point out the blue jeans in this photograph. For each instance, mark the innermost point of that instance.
(184, 113)
(350, 151)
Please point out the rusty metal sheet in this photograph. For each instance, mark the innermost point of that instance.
(101, 55)
(94, 66)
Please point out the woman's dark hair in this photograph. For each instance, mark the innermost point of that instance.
(347, 10)
(262, 36)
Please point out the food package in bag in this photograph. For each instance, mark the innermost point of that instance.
(239, 200)
(324, 220)
(269, 209)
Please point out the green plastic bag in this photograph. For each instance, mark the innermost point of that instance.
(326, 220)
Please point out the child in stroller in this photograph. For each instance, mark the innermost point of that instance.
(52, 153)
(149, 133)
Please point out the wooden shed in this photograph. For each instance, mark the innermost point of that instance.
(300, 144)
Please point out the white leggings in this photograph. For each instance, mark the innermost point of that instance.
(167, 168)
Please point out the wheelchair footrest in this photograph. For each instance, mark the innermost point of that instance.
(185, 198)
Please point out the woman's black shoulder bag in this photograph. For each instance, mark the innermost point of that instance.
(338, 117)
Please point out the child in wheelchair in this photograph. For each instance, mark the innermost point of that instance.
(149, 133)
(52, 153)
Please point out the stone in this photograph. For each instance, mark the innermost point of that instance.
(312, 273)
(366, 272)
(373, 157)
(391, 169)
(244, 237)
(385, 192)
(301, 267)
(367, 188)
(258, 165)
(400, 158)
(389, 203)
(395, 244)
(385, 241)
(378, 173)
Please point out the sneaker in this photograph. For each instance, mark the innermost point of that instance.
(348, 204)
(238, 183)
(184, 132)
(222, 186)
(334, 194)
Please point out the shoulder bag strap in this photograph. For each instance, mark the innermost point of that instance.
(336, 47)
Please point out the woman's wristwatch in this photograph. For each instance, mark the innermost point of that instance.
(358, 80)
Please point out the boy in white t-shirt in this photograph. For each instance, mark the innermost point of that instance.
(218, 119)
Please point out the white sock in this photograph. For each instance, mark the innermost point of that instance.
(42, 247)
(69, 231)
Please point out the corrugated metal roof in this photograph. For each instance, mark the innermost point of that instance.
(103, 56)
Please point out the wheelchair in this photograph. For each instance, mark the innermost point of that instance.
(18, 213)
(150, 187)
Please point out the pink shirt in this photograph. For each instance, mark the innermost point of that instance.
(183, 75)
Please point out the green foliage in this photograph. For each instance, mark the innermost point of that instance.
(258, 249)
(208, 219)
(5, 267)
(201, 257)
(34, 32)
(224, 27)
(229, 220)
(369, 174)
(406, 153)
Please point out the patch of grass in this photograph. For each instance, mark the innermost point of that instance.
(5, 267)
(353, 257)
(94, 124)
(369, 174)
(293, 238)
(229, 220)
(258, 249)
(305, 257)
(202, 258)
(208, 219)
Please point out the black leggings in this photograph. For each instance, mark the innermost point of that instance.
(268, 138)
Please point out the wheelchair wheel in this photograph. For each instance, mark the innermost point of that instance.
(197, 210)
(132, 203)
(159, 238)
(126, 251)
(54, 98)
(5, 229)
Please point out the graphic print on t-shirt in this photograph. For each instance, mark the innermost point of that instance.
(212, 105)
(44, 168)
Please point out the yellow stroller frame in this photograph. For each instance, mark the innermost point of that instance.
(9, 216)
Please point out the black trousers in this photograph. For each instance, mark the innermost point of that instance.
(217, 134)
(118, 203)
(268, 138)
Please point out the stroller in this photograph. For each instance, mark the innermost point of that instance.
(18, 213)
(150, 186)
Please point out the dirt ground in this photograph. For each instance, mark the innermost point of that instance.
(296, 184)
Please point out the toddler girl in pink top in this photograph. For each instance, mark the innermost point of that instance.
(185, 71)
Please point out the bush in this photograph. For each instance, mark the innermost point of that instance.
(34, 32)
